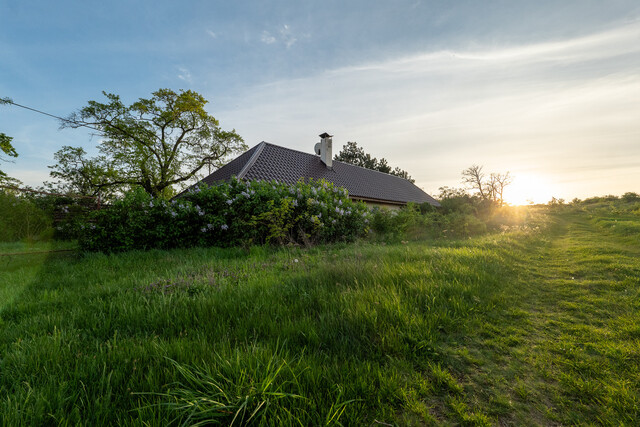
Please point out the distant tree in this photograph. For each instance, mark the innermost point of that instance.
(355, 155)
(488, 189)
(497, 183)
(383, 166)
(154, 143)
(402, 174)
(473, 178)
(630, 197)
(451, 192)
(457, 200)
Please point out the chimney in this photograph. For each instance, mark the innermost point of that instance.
(326, 152)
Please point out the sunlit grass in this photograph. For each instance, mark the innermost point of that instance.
(535, 326)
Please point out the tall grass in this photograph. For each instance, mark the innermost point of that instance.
(535, 324)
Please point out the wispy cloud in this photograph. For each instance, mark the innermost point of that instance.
(552, 107)
(287, 36)
(283, 35)
(212, 34)
(267, 38)
(184, 75)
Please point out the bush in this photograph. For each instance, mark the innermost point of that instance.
(228, 214)
(22, 219)
(460, 215)
(463, 225)
(67, 213)
(411, 222)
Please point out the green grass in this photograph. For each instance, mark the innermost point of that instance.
(521, 328)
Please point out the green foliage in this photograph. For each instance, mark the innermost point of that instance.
(21, 219)
(228, 214)
(355, 155)
(154, 144)
(6, 148)
(460, 215)
(5, 145)
(80, 175)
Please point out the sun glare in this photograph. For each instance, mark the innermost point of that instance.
(528, 189)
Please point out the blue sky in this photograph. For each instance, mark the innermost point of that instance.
(548, 90)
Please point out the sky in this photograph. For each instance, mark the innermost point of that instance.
(547, 90)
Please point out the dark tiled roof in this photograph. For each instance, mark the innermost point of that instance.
(266, 162)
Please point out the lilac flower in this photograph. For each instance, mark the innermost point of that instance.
(224, 227)
(229, 201)
(295, 203)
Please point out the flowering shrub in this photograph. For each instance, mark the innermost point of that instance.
(232, 213)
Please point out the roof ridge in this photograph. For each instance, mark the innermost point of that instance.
(338, 161)
(287, 148)
(252, 160)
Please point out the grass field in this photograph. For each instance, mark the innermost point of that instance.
(533, 327)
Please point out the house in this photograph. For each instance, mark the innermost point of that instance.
(270, 162)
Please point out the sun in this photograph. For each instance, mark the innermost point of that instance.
(528, 189)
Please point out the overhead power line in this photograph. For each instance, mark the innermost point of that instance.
(9, 101)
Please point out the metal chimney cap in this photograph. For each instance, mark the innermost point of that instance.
(325, 135)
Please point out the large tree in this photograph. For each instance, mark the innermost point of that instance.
(355, 155)
(6, 148)
(156, 143)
